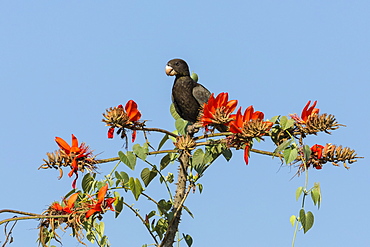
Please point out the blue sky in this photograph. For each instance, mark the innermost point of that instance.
(62, 63)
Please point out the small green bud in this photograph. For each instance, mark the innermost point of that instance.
(194, 76)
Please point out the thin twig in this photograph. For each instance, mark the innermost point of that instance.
(142, 220)
(34, 217)
(17, 212)
(212, 135)
(149, 153)
(142, 193)
(9, 233)
(160, 174)
(159, 130)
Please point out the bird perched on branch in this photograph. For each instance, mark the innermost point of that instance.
(187, 95)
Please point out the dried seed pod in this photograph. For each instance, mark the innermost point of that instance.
(116, 117)
(55, 160)
(185, 143)
(335, 154)
(255, 128)
(60, 159)
(317, 123)
(321, 123)
(331, 153)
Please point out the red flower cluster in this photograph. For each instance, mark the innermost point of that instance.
(75, 152)
(217, 111)
(131, 115)
(306, 113)
(241, 123)
(69, 205)
(100, 205)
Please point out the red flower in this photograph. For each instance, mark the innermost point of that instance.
(69, 204)
(132, 112)
(316, 152)
(111, 132)
(246, 153)
(240, 121)
(217, 110)
(306, 113)
(75, 152)
(242, 125)
(100, 205)
(126, 117)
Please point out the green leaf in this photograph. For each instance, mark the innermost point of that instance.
(180, 125)
(151, 214)
(170, 177)
(188, 239)
(212, 153)
(306, 152)
(148, 175)
(90, 236)
(198, 162)
(227, 154)
(188, 211)
(99, 228)
(117, 175)
(197, 157)
(292, 219)
(164, 206)
(121, 178)
(302, 216)
(140, 151)
(104, 241)
(124, 177)
(273, 119)
(123, 158)
(286, 123)
(165, 161)
(283, 146)
(118, 203)
(290, 154)
(298, 192)
(131, 159)
(316, 194)
(315, 197)
(194, 76)
(174, 114)
(88, 182)
(128, 159)
(163, 141)
(135, 187)
(306, 219)
(200, 186)
(173, 138)
(161, 227)
(309, 221)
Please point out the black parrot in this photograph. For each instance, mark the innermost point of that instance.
(187, 95)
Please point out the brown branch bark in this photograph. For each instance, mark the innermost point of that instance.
(169, 238)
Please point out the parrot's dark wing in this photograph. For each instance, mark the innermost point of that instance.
(201, 94)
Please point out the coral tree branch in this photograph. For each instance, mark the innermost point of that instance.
(179, 199)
